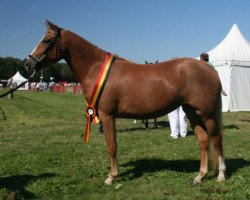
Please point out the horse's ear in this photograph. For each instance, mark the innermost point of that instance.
(51, 25)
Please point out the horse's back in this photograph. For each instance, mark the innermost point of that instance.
(178, 74)
(155, 89)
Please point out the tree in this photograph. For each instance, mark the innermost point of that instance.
(9, 66)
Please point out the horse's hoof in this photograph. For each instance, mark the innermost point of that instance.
(109, 180)
(221, 180)
(196, 181)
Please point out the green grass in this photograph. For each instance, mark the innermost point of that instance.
(43, 155)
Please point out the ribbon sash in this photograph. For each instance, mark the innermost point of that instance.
(96, 93)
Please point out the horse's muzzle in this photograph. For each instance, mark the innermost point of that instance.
(30, 65)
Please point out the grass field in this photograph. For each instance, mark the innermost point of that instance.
(43, 155)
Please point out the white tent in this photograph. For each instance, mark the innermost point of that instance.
(231, 59)
(18, 79)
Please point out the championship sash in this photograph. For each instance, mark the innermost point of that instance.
(91, 110)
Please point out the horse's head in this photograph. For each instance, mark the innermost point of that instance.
(47, 51)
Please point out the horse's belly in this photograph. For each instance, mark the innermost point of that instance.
(148, 107)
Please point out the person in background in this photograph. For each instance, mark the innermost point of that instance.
(205, 57)
(178, 123)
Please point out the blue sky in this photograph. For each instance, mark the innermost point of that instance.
(137, 30)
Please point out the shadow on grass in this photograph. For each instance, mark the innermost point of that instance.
(142, 166)
(16, 185)
(160, 125)
(130, 129)
(3, 114)
(231, 126)
(165, 124)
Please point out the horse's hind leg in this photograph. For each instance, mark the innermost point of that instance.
(213, 129)
(199, 130)
(217, 141)
(109, 131)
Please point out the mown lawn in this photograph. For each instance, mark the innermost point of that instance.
(43, 155)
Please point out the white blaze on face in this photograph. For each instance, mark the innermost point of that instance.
(37, 45)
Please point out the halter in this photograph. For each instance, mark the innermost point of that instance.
(51, 44)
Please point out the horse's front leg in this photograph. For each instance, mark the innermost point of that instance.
(110, 134)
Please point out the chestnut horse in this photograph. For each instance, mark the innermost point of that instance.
(138, 91)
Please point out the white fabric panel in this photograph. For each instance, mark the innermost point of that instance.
(240, 89)
(224, 74)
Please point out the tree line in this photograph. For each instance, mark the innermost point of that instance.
(60, 71)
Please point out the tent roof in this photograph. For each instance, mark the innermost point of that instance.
(19, 77)
(233, 47)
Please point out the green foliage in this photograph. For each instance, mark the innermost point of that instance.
(43, 155)
(9, 66)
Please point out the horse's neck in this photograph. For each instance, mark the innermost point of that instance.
(84, 59)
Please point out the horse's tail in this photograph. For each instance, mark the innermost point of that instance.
(212, 155)
(212, 158)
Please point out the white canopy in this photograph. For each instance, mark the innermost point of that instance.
(234, 47)
(18, 79)
(231, 58)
